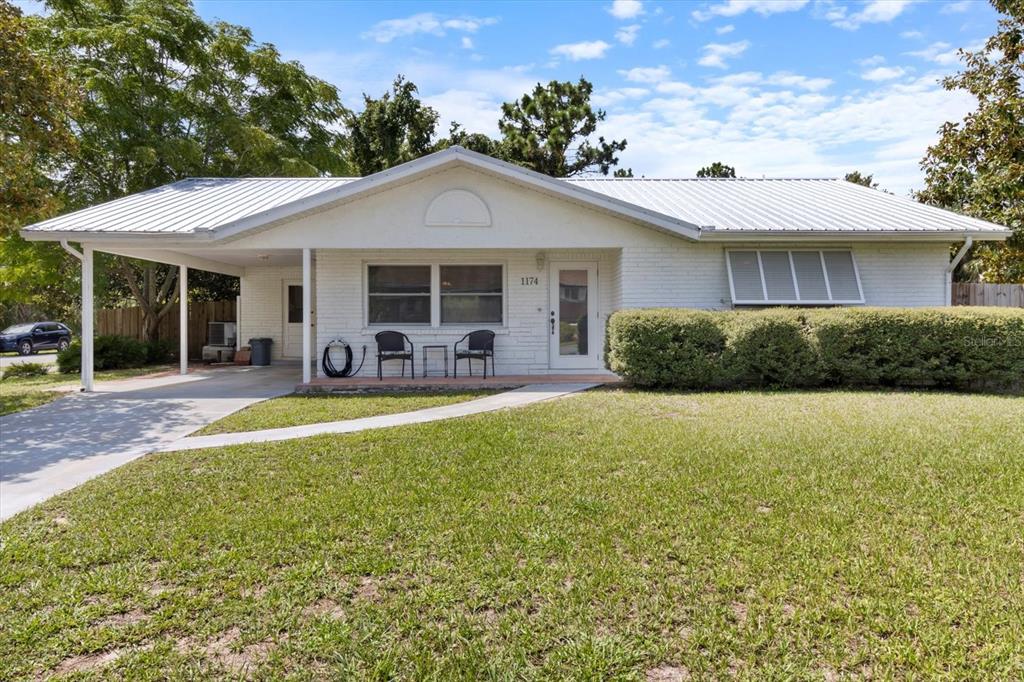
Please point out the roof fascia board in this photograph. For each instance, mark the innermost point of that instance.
(99, 236)
(811, 236)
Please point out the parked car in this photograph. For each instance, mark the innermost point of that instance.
(32, 336)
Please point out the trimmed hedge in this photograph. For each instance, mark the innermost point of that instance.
(959, 348)
(109, 352)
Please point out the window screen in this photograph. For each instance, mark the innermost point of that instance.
(398, 294)
(809, 277)
(471, 294)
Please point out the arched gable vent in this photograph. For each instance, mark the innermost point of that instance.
(457, 208)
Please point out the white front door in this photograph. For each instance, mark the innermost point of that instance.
(572, 322)
(292, 319)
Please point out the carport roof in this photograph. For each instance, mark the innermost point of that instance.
(216, 208)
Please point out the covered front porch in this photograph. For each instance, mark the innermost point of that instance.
(547, 309)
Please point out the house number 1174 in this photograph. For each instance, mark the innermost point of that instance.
(529, 281)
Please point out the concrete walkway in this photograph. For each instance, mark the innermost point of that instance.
(515, 398)
(58, 446)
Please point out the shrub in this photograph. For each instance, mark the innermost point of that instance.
(109, 352)
(161, 351)
(26, 369)
(961, 348)
(771, 349)
(666, 347)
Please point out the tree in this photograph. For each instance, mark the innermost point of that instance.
(36, 100)
(477, 142)
(977, 166)
(717, 170)
(858, 178)
(550, 130)
(169, 96)
(391, 130)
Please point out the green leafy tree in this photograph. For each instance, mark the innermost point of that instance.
(858, 178)
(170, 96)
(36, 100)
(477, 142)
(549, 130)
(977, 166)
(717, 170)
(390, 130)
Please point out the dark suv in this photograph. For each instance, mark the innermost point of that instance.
(32, 336)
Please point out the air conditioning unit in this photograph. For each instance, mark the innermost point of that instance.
(221, 334)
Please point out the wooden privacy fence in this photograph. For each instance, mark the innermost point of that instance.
(1004, 295)
(128, 322)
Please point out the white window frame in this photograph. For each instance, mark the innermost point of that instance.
(435, 295)
(796, 287)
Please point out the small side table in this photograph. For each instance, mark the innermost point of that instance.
(441, 348)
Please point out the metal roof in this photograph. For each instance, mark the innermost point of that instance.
(215, 208)
(784, 205)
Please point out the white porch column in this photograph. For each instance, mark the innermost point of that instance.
(87, 318)
(307, 318)
(183, 318)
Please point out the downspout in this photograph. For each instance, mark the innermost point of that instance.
(968, 242)
(70, 249)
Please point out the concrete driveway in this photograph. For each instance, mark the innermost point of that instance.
(58, 446)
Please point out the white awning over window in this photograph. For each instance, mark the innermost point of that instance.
(797, 277)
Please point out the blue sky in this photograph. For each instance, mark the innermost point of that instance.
(807, 88)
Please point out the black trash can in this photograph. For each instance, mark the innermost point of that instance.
(260, 351)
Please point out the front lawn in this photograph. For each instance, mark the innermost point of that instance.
(296, 410)
(23, 393)
(612, 534)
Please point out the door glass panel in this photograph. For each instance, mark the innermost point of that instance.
(294, 304)
(572, 312)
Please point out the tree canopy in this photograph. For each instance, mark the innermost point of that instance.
(549, 130)
(977, 166)
(717, 170)
(168, 96)
(390, 130)
(858, 178)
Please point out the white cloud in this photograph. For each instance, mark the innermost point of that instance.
(940, 53)
(873, 60)
(792, 80)
(956, 7)
(627, 34)
(873, 12)
(722, 30)
(646, 74)
(742, 120)
(883, 73)
(590, 49)
(467, 43)
(425, 22)
(626, 9)
(661, 44)
(611, 97)
(732, 8)
(715, 54)
(911, 35)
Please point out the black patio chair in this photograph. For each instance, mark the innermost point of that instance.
(393, 345)
(478, 345)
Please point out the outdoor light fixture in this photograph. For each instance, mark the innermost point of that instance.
(541, 258)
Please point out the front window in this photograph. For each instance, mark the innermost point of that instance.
(471, 294)
(17, 329)
(398, 294)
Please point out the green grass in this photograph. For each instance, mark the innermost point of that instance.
(296, 410)
(608, 535)
(17, 394)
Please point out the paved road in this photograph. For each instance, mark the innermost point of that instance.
(58, 446)
(42, 358)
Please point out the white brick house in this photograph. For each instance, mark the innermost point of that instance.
(457, 241)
